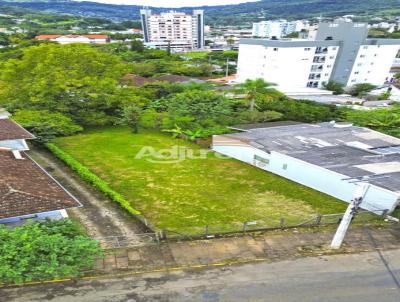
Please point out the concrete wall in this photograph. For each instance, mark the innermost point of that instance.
(320, 179)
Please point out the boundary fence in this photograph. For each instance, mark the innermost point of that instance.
(248, 227)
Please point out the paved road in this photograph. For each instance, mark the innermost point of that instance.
(368, 277)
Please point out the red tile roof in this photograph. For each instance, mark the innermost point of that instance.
(50, 37)
(135, 80)
(26, 189)
(10, 130)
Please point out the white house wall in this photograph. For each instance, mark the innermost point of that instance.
(287, 67)
(54, 215)
(320, 179)
(373, 64)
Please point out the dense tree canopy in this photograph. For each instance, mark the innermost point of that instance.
(46, 125)
(76, 80)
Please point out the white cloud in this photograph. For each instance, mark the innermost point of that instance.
(174, 3)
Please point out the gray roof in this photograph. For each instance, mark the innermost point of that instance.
(352, 151)
(290, 43)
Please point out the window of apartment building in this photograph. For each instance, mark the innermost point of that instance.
(359, 64)
(284, 166)
(362, 56)
(334, 48)
(326, 74)
(356, 72)
(331, 57)
(328, 66)
(365, 47)
(353, 81)
(276, 49)
(307, 49)
(375, 55)
(372, 63)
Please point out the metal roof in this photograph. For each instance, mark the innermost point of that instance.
(355, 152)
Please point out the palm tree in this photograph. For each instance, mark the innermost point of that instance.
(252, 88)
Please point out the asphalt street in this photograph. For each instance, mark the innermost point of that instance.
(366, 277)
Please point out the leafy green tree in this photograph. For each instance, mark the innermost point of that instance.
(252, 89)
(137, 45)
(4, 39)
(360, 90)
(76, 80)
(132, 116)
(336, 87)
(46, 125)
(47, 250)
(196, 107)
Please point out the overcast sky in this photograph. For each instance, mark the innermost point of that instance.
(173, 3)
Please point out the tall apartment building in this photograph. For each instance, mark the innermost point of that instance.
(341, 52)
(174, 30)
(276, 28)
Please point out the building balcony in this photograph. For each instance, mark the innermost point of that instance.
(321, 50)
(319, 60)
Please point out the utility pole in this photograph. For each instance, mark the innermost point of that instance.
(227, 67)
(351, 211)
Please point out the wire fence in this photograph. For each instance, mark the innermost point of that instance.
(238, 229)
(262, 226)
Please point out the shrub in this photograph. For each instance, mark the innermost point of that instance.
(91, 178)
(336, 87)
(304, 110)
(45, 250)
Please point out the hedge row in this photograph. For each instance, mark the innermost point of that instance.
(91, 178)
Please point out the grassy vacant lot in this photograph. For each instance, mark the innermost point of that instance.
(187, 195)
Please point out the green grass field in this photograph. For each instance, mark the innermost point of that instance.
(187, 195)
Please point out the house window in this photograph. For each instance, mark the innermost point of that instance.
(261, 159)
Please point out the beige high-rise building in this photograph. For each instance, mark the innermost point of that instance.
(175, 30)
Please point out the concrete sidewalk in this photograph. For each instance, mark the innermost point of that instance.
(268, 247)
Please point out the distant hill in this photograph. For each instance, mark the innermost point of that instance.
(227, 14)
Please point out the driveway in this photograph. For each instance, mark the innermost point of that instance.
(366, 277)
(101, 217)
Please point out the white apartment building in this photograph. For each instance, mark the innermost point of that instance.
(340, 52)
(277, 28)
(175, 30)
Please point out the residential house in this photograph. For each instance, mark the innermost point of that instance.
(333, 158)
(27, 191)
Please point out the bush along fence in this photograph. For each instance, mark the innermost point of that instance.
(95, 181)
